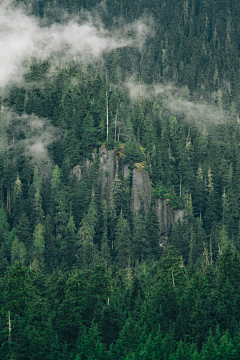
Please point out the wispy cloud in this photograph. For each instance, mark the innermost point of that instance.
(23, 37)
(30, 137)
(176, 101)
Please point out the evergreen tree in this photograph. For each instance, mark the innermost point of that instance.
(211, 213)
(17, 200)
(4, 227)
(105, 248)
(122, 242)
(140, 242)
(89, 132)
(18, 252)
(23, 231)
(19, 343)
(38, 246)
(71, 241)
(86, 235)
(37, 214)
(153, 236)
(200, 191)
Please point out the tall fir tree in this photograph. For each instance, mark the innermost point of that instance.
(86, 233)
(122, 242)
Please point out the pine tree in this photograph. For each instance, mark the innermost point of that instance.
(17, 200)
(118, 203)
(200, 191)
(140, 242)
(79, 197)
(89, 132)
(153, 235)
(19, 342)
(36, 213)
(211, 212)
(23, 231)
(105, 248)
(185, 165)
(122, 242)
(86, 235)
(38, 246)
(18, 252)
(56, 178)
(4, 227)
(71, 242)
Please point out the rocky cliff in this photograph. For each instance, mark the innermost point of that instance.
(107, 171)
(141, 187)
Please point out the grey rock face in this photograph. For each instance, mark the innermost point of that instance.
(126, 171)
(78, 172)
(179, 215)
(88, 164)
(141, 189)
(94, 154)
(164, 214)
(106, 171)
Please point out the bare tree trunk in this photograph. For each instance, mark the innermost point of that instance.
(180, 185)
(115, 139)
(107, 112)
(211, 250)
(9, 201)
(2, 193)
(173, 279)
(9, 325)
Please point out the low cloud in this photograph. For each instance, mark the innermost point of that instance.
(24, 37)
(30, 137)
(176, 101)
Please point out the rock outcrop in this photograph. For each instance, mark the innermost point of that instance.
(141, 189)
(107, 169)
(126, 171)
(164, 214)
(179, 215)
(78, 172)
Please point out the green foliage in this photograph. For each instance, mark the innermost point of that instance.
(38, 246)
(86, 235)
(18, 252)
(133, 153)
(117, 288)
(122, 242)
(176, 202)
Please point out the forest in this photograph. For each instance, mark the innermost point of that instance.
(88, 275)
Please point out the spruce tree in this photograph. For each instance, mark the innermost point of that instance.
(140, 242)
(38, 246)
(23, 231)
(86, 233)
(122, 242)
(18, 252)
(105, 246)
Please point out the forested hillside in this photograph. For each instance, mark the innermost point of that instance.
(89, 276)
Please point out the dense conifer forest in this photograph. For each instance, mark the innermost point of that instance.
(86, 276)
